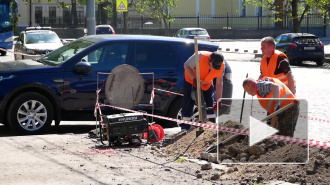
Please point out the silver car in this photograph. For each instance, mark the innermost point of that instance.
(35, 42)
(191, 33)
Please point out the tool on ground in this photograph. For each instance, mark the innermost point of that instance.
(240, 119)
(214, 147)
(200, 129)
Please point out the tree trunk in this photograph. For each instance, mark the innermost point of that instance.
(279, 8)
(166, 26)
(296, 23)
(74, 13)
(125, 22)
(114, 11)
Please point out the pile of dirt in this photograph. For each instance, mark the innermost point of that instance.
(266, 155)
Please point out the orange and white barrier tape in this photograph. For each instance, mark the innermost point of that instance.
(168, 92)
(287, 139)
(302, 116)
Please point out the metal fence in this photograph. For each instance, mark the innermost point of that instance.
(61, 22)
(205, 21)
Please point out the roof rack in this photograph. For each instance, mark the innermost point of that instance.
(37, 28)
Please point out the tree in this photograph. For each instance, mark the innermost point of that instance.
(156, 9)
(294, 9)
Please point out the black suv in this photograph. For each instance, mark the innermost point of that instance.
(53, 87)
(301, 47)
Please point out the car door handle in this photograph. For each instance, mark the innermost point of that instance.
(171, 74)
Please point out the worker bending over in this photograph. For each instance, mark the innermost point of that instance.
(211, 66)
(268, 91)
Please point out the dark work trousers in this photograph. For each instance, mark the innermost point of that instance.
(188, 103)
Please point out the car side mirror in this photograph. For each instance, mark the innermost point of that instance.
(64, 41)
(82, 68)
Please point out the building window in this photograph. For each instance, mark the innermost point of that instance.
(66, 16)
(38, 15)
(242, 8)
(52, 15)
(81, 17)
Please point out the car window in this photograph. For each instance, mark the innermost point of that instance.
(285, 39)
(278, 39)
(197, 32)
(36, 38)
(307, 40)
(21, 37)
(113, 55)
(103, 30)
(155, 56)
(179, 33)
(59, 56)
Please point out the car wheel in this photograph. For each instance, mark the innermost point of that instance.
(175, 112)
(30, 113)
(3, 53)
(320, 62)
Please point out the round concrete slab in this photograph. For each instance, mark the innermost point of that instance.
(124, 87)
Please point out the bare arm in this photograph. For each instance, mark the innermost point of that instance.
(219, 87)
(291, 82)
(276, 94)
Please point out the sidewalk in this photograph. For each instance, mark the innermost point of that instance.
(252, 46)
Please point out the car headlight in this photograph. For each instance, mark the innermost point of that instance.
(31, 51)
(6, 77)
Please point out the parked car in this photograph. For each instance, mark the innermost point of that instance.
(104, 29)
(191, 33)
(53, 87)
(301, 47)
(36, 41)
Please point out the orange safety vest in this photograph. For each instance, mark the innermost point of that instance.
(285, 93)
(204, 71)
(268, 70)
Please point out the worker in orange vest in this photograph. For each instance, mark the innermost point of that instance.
(211, 66)
(273, 95)
(275, 64)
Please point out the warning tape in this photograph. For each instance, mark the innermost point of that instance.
(168, 92)
(302, 116)
(19, 53)
(287, 139)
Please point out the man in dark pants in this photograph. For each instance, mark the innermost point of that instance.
(211, 66)
(272, 95)
(227, 92)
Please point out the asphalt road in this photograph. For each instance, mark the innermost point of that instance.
(66, 156)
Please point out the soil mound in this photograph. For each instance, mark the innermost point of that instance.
(264, 156)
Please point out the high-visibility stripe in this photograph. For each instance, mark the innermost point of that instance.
(210, 116)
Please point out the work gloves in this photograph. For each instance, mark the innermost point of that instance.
(216, 107)
(194, 82)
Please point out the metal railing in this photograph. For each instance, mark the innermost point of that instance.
(206, 21)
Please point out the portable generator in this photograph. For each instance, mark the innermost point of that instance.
(125, 127)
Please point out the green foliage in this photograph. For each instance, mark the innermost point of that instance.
(294, 9)
(180, 160)
(155, 8)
